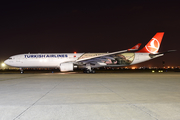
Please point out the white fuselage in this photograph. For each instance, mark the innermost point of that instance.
(50, 60)
(53, 60)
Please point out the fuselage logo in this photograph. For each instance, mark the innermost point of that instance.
(46, 56)
(153, 46)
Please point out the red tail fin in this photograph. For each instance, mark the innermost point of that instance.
(154, 44)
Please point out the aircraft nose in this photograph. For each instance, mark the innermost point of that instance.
(6, 61)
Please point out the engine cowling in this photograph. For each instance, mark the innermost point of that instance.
(66, 67)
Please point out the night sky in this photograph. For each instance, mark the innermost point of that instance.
(89, 26)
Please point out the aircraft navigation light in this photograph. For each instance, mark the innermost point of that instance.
(74, 54)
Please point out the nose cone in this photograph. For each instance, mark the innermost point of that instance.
(6, 62)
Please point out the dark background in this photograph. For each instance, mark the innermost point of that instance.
(42, 26)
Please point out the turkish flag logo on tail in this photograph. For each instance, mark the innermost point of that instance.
(154, 44)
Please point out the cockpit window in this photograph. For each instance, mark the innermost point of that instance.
(10, 58)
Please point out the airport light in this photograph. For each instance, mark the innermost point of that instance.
(3, 65)
(153, 71)
(133, 68)
(160, 71)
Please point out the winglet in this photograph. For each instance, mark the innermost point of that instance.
(136, 47)
(153, 45)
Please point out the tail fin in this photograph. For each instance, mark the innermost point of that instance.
(154, 44)
(136, 47)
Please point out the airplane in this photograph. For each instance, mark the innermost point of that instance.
(89, 61)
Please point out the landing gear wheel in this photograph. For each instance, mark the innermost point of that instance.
(93, 71)
(88, 71)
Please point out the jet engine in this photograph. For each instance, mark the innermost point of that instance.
(67, 67)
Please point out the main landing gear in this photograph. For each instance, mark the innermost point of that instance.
(21, 71)
(88, 71)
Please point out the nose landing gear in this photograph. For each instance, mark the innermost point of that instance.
(21, 71)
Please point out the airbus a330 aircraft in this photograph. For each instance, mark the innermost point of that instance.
(88, 61)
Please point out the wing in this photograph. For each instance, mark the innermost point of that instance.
(102, 58)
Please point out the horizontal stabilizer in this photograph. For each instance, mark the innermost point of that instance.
(161, 53)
